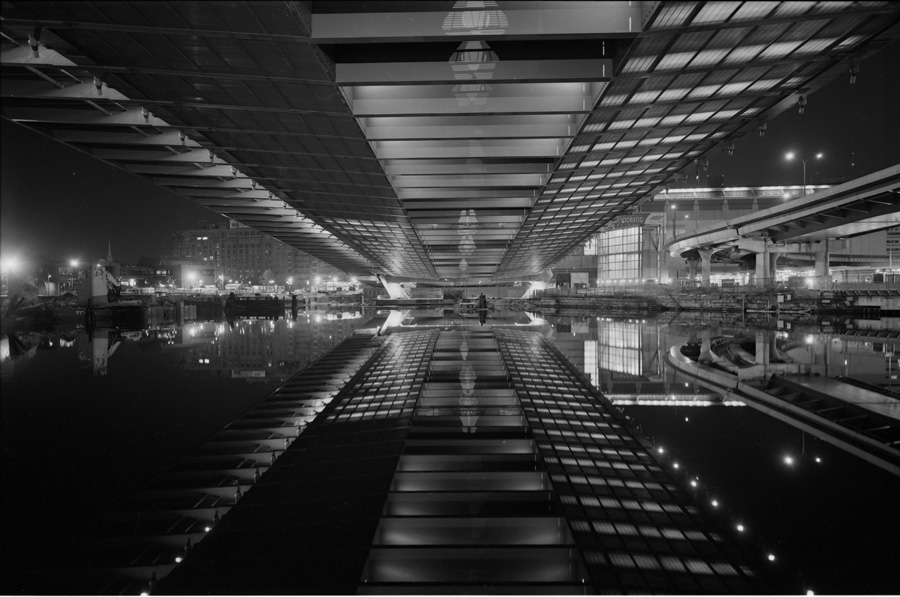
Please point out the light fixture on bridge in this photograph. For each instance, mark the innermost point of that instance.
(34, 40)
(801, 103)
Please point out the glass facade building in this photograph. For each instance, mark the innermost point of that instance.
(629, 249)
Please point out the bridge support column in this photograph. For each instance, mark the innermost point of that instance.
(823, 258)
(763, 346)
(394, 289)
(706, 259)
(706, 355)
(766, 261)
(692, 270)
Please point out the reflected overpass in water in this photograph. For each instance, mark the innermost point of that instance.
(814, 225)
(863, 421)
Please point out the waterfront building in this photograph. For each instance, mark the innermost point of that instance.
(231, 252)
(629, 249)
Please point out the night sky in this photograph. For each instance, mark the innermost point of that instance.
(62, 203)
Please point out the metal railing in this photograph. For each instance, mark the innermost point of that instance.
(766, 285)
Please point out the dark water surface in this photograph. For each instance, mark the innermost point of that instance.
(76, 440)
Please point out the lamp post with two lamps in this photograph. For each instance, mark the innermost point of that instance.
(791, 155)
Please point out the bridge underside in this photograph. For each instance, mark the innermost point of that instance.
(429, 140)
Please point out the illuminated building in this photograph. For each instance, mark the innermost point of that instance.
(242, 254)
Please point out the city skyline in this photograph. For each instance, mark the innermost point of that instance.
(77, 205)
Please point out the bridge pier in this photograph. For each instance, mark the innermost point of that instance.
(766, 265)
(767, 254)
(823, 256)
(706, 260)
(692, 269)
(395, 290)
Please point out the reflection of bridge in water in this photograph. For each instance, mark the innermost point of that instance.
(421, 459)
(860, 418)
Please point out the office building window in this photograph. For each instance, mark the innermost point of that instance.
(620, 253)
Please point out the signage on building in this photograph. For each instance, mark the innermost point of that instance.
(629, 221)
(634, 220)
(251, 373)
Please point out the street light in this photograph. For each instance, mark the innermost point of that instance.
(791, 155)
(9, 264)
(674, 218)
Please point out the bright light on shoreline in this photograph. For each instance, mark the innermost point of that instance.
(9, 264)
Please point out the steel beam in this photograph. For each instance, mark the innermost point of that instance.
(40, 90)
(170, 137)
(502, 71)
(598, 21)
(132, 116)
(502, 148)
(200, 156)
(481, 180)
(461, 131)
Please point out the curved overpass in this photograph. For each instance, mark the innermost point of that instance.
(810, 225)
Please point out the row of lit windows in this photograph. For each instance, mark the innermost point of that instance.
(392, 383)
(622, 499)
